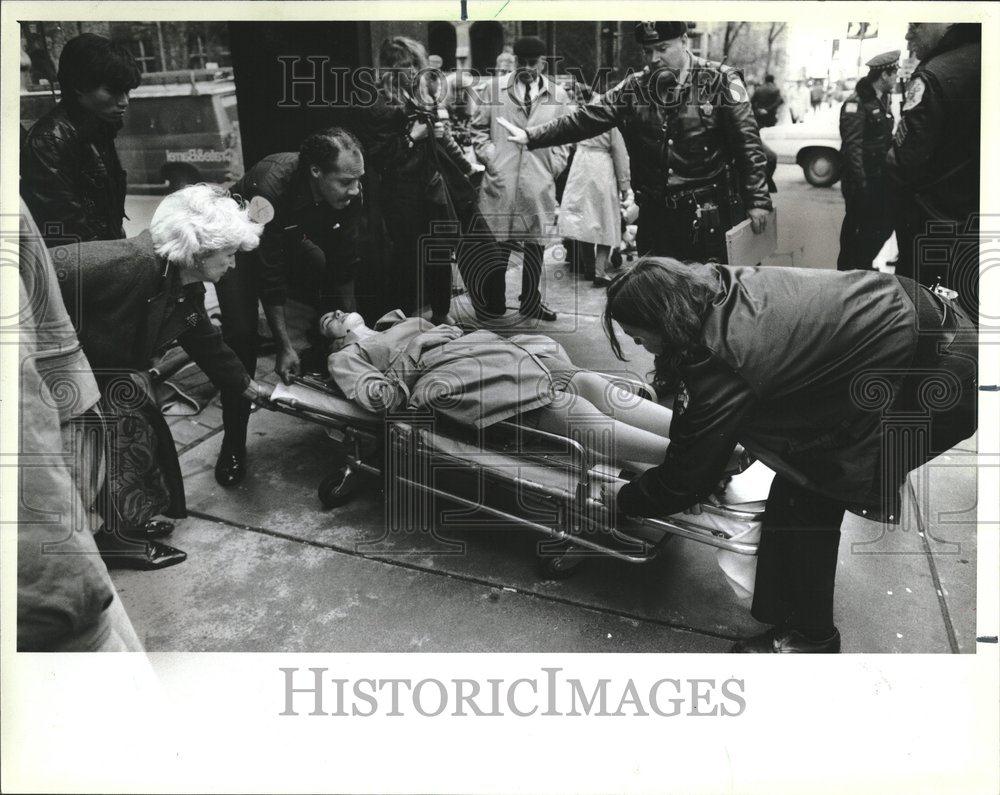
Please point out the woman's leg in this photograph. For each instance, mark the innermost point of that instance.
(574, 416)
(621, 404)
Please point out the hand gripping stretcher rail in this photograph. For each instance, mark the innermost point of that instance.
(515, 474)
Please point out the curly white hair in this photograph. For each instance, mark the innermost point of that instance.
(196, 221)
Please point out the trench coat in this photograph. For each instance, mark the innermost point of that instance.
(518, 192)
(590, 210)
(475, 379)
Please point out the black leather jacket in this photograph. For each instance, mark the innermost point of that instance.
(866, 134)
(71, 178)
(687, 142)
(811, 370)
(935, 152)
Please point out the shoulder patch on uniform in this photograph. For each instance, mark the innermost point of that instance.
(737, 88)
(850, 107)
(914, 93)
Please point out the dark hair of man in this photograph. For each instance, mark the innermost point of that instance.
(89, 61)
(865, 87)
(322, 149)
(665, 295)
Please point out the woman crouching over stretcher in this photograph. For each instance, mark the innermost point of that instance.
(478, 379)
(817, 373)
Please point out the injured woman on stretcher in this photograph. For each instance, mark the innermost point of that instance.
(477, 379)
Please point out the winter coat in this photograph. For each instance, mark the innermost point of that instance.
(518, 194)
(590, 210)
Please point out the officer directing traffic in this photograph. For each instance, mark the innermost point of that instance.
(866, 123)
(697, 161)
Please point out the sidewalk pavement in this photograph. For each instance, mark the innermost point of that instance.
(270, 570)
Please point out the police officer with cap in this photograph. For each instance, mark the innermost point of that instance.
(866, 124)
(697, 161)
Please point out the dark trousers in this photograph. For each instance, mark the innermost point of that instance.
(670, 232)
(531, 271)
(867, 225)
(310, 281)
(797, 557)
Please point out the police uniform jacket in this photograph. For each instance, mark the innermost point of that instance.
(71, 178)
(866, 123)
(297, 218)
(935, 152)
(682, 143)
(806, 368)
(128, 305)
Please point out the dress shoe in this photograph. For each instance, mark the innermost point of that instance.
(121, 553)
(601, 281)
(785, 640)
(230, 468)
(148, 531)
(539, 310)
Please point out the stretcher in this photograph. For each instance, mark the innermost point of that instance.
(515, 474)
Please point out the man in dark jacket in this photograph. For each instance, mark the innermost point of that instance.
(309, 251)
(698, 167)
(842, 383)
(765, 103)
(71, 178)
(934, 160)
(866, 133)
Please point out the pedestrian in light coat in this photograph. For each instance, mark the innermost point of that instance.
(518, 194)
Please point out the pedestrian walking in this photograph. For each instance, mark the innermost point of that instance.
(766, 101)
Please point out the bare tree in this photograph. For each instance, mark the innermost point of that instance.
(776, 29)
(733, 30)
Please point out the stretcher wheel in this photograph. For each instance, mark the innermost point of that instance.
(339, 487)
(560, 565)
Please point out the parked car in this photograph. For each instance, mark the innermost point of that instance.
(814, 146)
(175, 134)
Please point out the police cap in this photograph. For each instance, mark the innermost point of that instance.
(527, 48)
(654, 32)
(884, 61)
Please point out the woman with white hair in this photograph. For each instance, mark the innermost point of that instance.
(130, 300)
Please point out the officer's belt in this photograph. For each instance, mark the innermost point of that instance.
(692, 193)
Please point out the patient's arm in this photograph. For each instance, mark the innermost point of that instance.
(362, 382)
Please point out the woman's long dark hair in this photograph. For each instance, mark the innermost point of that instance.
(666, 296)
